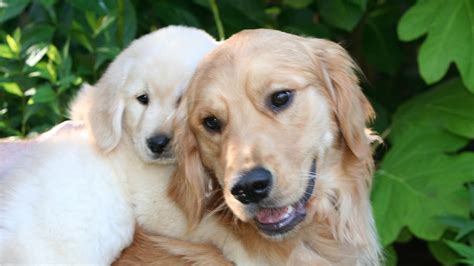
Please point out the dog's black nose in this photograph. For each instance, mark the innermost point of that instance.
(157, 144)
(253, 186)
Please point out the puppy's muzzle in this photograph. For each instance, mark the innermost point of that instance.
(158, 143)
(253, 186)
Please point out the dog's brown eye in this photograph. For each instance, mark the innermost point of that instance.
(212, 124)
(280, 99)
(143, 99)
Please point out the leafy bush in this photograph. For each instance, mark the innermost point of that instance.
(423, 195)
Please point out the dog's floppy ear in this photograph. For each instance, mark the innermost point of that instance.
(352, 109)
(105, 117)
(353, 220)
(189, 186)
(101, 106)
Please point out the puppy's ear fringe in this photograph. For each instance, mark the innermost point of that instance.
(189, 185)
(101, 108)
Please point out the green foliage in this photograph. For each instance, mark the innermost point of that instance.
(56, 47)
(342, 14)
(421, 177)
(449, 25)
(423, 186)
(460, 240)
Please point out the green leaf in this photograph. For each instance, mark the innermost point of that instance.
(12, 88)
(172, 13)
(380, 44)
(254, 10)
(443, 253)
(471, 193)
(44, 94)
(41, 70)
(127, 22)
(454, 221)
(97, 7)
(421, 177)
(102, 24)
(301, 22)
(105, 54)
(66, 83)
(413, 187)
(14, 46)
(52, 71)
(35, 53)
(449, 26)
(404, 236)
(84, 41)
(11, 8)
(342, 14)
(390, 256)
(463, 225)
(446, 108)
(297, 4)
(6, 130)
(5, 52)
(203, 3)
(465, 230)
(35, 34)
(361, 3)
(461, 249)
(54, 55)
(47, 2)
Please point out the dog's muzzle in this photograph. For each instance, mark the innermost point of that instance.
(253, 186)
(158, 144)
(277, 221)
(160, 149)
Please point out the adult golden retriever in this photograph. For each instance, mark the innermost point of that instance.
(74, 194)
(272, 145)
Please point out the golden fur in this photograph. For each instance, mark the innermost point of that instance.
(325, 122)
(159, 250)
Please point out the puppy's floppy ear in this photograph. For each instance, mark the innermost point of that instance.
(104, 105)
(105, 118)
(352, 109)
(189, 186)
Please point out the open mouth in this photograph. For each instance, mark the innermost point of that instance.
(276, 221)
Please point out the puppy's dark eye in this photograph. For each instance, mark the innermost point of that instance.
(143, 99)
(212, 124)
(280, 99)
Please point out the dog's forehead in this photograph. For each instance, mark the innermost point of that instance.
(251, 63)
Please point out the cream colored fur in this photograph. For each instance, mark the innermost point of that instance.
(325, 123)
(74, 194)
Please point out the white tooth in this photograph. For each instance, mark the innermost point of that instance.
(288, 212)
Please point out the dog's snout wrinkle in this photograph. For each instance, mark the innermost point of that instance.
(253, 186)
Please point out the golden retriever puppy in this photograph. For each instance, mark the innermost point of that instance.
(273, 145)
(75, 193)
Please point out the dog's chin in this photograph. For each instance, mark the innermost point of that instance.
(280, 222)
(152, 159)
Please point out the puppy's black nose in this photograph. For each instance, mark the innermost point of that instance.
(157, 144)
(253, 186)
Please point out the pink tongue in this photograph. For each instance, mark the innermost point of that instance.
(271, 216)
